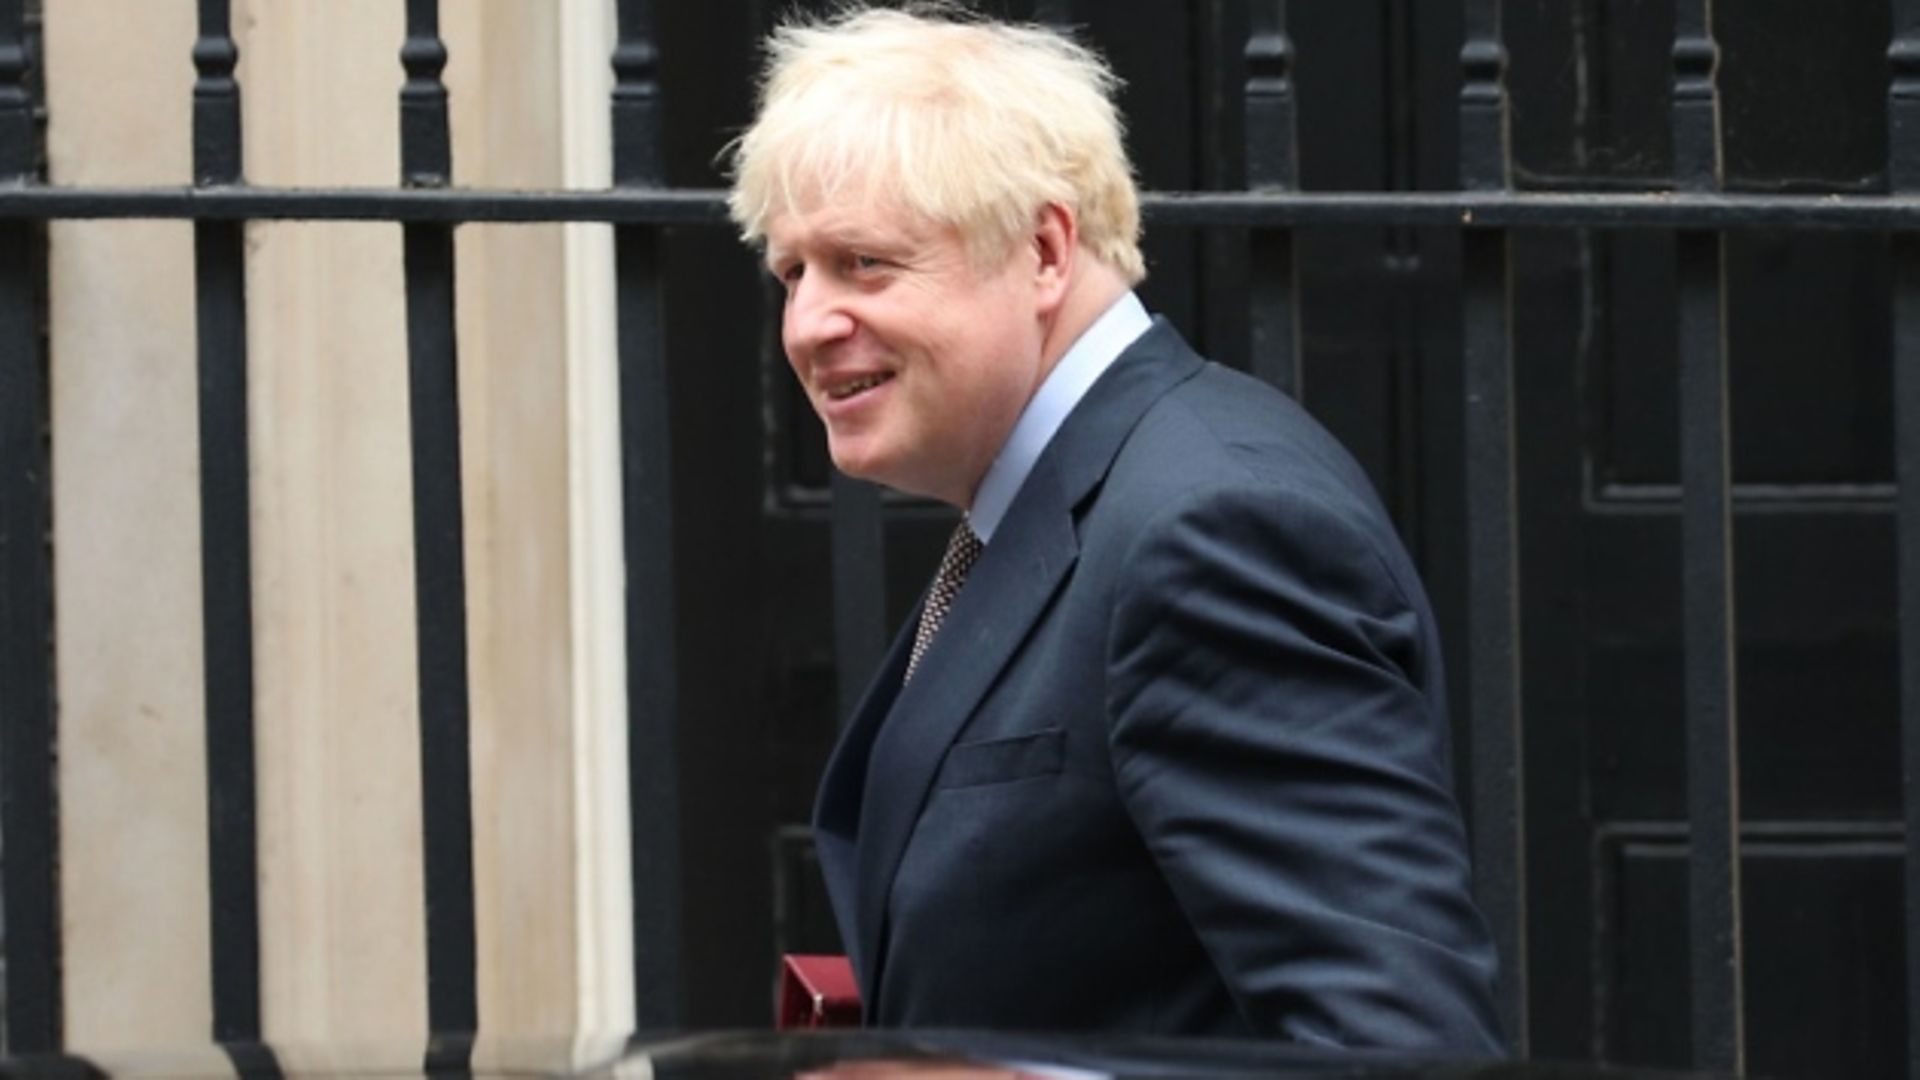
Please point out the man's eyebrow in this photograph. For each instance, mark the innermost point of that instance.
(852, 236)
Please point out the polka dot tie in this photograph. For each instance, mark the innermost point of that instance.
(962, 551)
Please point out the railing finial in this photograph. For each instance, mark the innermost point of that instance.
(426, 154)
(1903, 99)
(1485, 150)
(1273, 160)
(1697, 155)
(216, 98)
(17, 137)
(636, 99)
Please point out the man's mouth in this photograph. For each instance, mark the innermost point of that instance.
(841, 391)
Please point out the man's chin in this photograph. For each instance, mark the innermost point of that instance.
(886, 473)
(859, 466)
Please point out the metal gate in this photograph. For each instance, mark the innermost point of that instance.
(1488, 210)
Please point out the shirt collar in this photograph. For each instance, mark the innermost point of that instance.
(1095, 350)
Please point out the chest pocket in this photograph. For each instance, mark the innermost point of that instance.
(998, 761)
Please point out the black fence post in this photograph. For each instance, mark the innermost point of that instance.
(29, 885)
(1273, 165)
(1493, 577)
(1713, 787)
(1903, 178)
(219, 261)
(440, 599)
(646, 440)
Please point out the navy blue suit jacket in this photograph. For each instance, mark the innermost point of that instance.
(1176, 763)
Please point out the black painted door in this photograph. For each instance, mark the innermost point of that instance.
(1806, 318)
(1596, 378)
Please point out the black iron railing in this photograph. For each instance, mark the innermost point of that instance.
(439, 548)
(1486, 210)
(1493, 674)
(1713, 788)
(27, 824)
(646, 459)
(1903, 180)
(225, 542)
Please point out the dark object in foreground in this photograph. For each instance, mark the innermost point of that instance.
(831, 1055)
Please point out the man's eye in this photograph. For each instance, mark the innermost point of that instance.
(866, 262)
(788, 275)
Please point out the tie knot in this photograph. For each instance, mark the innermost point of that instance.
(963, 550)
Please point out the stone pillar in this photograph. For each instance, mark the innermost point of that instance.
(126, 538)
(341, 920)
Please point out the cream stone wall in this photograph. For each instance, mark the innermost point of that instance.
(553, 919)
(132, 779)
(337, 741)
(342, 937)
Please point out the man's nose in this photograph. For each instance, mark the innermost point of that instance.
(816, 314)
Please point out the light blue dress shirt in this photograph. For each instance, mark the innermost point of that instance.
(1064, 386)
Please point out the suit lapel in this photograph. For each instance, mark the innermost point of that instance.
(1009, 589)
(1006, 592)
(836, 812)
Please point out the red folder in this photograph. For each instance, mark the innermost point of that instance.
(817, 992)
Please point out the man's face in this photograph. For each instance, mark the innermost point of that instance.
(917, 359)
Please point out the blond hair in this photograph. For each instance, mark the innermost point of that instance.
(961, 122)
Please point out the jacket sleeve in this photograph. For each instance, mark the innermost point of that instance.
(1278, 738)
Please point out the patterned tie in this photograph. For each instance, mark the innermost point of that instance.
(962, 551)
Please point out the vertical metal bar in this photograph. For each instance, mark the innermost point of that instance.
(653, 688)
(225, 542)
(1402, 262)
(1493, 565)
(1713, 789)
(439, 552)
(29, 885)
(859, 587)
(1273, 164)
(1906, 405)
(1903, 178)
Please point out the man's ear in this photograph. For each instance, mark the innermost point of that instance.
(1056, 243)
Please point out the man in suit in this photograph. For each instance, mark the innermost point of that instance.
(1171, 757)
